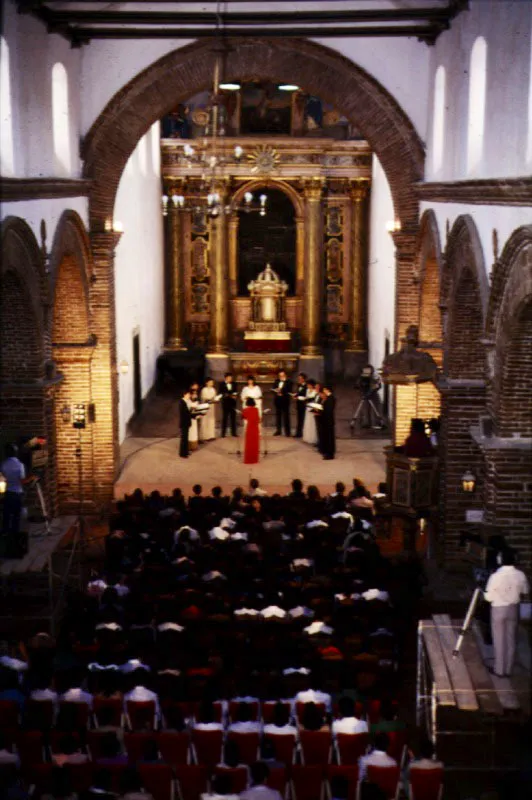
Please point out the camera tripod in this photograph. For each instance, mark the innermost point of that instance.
(367, 405)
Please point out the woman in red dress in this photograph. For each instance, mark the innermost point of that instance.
(252, 435)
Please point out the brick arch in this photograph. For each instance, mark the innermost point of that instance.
(70, 265)
(509, 327)
(429, 267)
(283, 186)
(464, 296)
(320, 70)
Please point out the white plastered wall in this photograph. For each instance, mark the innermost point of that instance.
(139, 270)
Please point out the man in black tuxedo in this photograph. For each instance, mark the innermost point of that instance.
(185, 421)
(301, 403)
(228, 390)
(282, 388)
(327, 427)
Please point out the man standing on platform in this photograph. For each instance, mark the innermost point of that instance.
(13, 471)
(301, 403)
(185, 421)
(282, 388)
(328, 433)
(504, 590)
(228, 390)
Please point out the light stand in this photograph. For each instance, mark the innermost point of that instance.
(366, 405)
(477, 594)
(79, 423)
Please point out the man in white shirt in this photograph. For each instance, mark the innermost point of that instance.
(77, 695)
(504, 590)
(314, 696)
(259, 791)
(348, 723)
(142, 695)
(13, 471)
(378, 756)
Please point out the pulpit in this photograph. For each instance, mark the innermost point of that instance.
(267, 329)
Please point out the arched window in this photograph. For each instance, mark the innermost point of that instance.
(529, 139)
(477, 104)
(60, 120)
(438, 119)
(7, 155)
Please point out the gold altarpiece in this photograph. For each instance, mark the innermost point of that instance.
(328, 183)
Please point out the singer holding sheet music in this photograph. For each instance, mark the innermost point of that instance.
(208, 395)
(282, 388)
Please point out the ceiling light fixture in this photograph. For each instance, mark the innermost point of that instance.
(288, 87)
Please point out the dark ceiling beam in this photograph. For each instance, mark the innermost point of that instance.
(117, 17)
(421, 31)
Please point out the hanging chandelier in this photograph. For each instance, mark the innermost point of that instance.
(213, 158)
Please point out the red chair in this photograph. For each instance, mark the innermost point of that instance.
(9, 714)
(80, 776)
(190, 708)
(307, 782)
(174, 747)
(30, 748)
(277, 779)
(315, 747)
(351, 773)
(116, 771)
(386, 778)
(94, 743)
(238, 775)
(207, 747)
(253, 709)
(350, 746)
(40, 775)
(135, 744)
(425, 784)
(191, 781)
(218, 711)
(56, 738)
(114, 704)
(300, 707)
(40, 714)
(158, 780)
(284, 746)
(397, 744)
(268, 709)
(248, 745)
(140, 715)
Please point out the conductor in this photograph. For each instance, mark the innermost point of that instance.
(282, 388)
(228, 390)
(185, 421)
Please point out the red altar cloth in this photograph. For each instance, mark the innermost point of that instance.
(267, 345)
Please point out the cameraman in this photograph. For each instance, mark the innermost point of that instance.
(504, 591)
(13, 471)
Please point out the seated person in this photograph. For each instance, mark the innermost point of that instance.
(101, 787)
(69, 752)
(280, 724)
(231, 756)
(313, 718)
(243, 722)
(417, 444)
(339, 786)
(255, 490)
(220, 789)
(10, 687)
(260, 773)
(267, 755)
(111, 751)
(77, 695)
(314, 696)
(61, 786)
(426, 758)
(378, 756)
(348, 723)
(388, 720)
(150, 753)
(206, 719)
(6, 756)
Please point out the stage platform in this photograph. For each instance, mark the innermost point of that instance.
(32, 588)
(474, 718)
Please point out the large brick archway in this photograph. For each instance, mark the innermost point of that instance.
(464, 300)
(321, 71)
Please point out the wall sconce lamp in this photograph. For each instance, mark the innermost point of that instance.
(3, 484)
(79, 419)
(393, 226)
(123, 367)
(468, 481)
(66, 414)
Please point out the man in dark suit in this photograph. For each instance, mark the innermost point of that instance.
(328, 433)
(185, 421)
(301, 403)
(228, 390)
(282, 388)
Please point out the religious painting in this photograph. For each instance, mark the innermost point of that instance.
(199, 259)
(334, 221)
(200, 298)
(199, 222)
(335, 260)
(265, 109)
(334, 299)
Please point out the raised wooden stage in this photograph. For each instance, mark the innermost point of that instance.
(474, 718)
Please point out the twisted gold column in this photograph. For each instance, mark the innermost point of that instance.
(233, 254)
(176, 281)
(219, 333)
(313, 277)
(300, 255)
(357, 300)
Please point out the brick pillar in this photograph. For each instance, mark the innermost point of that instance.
(103, 367)
(462, 403)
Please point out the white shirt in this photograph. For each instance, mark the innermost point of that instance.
(425, 763)
(14, 473)
(9, 758)
(349, 725)
(505, 587)
(378, 758)
(245, 727)
(279, 730)
(261, 793)
(214, 796)
(44, 694)
(77, 696)
(208, 726)
(314, 696)
(142, 695)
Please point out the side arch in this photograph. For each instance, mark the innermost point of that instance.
(320, 70)
(70, 245)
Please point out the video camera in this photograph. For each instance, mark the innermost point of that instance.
(369, 381)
